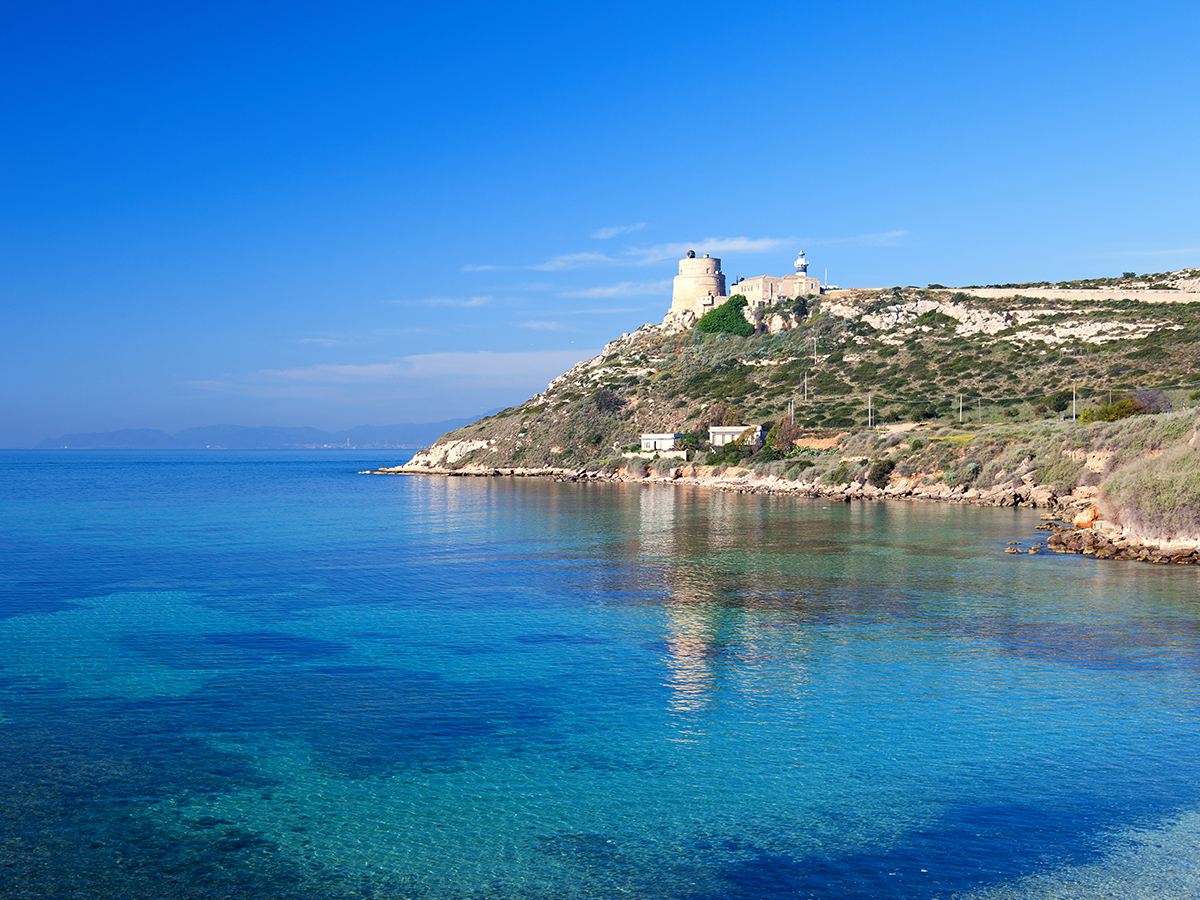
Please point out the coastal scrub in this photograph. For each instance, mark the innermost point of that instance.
(1158, 498)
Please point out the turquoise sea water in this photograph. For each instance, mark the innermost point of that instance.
(266, 676)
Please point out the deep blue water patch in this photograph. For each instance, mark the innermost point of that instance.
(35, 599)
(972, 846)
(230, 650)
(371, 721)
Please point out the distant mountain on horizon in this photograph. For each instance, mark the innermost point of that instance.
(241, 437)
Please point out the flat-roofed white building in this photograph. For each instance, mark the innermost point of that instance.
(720, 435)
(652, 442)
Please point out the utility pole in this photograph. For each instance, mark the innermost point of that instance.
(1072, 403)
(805, 387)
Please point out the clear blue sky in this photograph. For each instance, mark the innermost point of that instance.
(338, 214)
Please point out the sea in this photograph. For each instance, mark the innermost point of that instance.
(266, 675)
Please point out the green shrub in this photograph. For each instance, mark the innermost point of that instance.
(936, 319)
(607, 401)
(879, 472)
(727, 318)
(795, 468)
(840, 475)
(1111, 412)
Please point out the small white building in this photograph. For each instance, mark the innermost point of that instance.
(720, 435)
(651, 442)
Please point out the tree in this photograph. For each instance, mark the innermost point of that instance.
(727, 318)
(722, 413)
(783, 436)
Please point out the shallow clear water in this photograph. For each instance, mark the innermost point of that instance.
(264, 675)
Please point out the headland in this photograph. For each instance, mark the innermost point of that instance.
(1078, 398)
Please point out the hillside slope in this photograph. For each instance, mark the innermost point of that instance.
(886, 355)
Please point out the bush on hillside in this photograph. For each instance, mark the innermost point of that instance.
(727, 318)
(608, 401)
(1152, 401)
(879, 472)
(1111, 412)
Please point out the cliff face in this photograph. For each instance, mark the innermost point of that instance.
(858, 357)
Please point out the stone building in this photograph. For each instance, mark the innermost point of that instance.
(766, 290)
(699, 286)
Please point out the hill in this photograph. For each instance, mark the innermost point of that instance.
(856, 358)
(983, 394)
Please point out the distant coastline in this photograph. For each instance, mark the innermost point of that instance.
(408, 436)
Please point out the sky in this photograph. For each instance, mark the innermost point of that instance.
(338, 214)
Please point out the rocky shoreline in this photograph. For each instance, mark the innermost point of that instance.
(1076, 522)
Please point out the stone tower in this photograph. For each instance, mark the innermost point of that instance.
(699, 284)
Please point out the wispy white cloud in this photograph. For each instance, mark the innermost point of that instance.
(556, 264)
(459, 369)
(874, 239)
(323, 342)
(332, 374)
(659, 253)
(481, 300)
(540, 325)
(644, 256)
(575, 261)
(597, 312)
(623, 289)
(489, 364)
(602, 234)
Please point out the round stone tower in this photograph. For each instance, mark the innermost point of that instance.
(698, 285)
